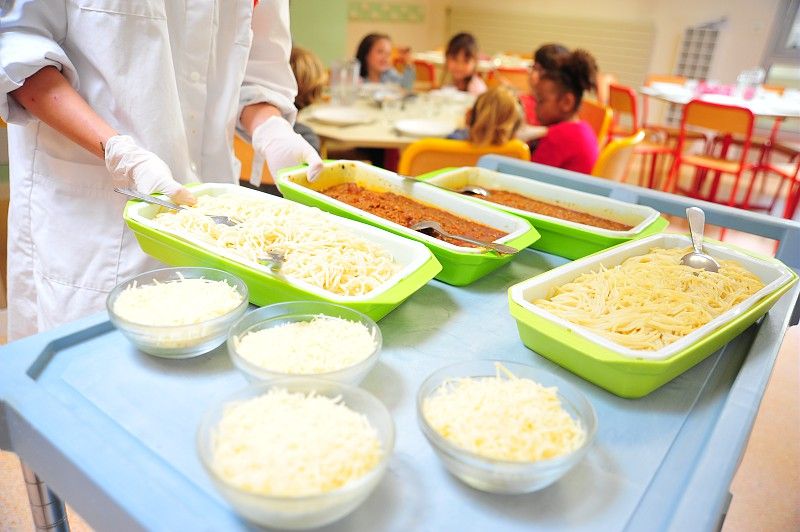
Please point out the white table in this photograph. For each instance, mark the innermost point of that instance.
(484, 65)
(767, 104)
(379, 131)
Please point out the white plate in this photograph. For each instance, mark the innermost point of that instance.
(341, 116)
(422, 127)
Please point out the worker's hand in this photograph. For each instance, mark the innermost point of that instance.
(126, 159)
(280, 146)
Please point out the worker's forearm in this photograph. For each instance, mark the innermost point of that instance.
(48, 96)
(255, 114)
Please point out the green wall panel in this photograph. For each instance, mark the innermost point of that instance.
(321, 26)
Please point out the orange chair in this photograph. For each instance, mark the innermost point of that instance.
(426, 75)
(622, 101)
(516, 78)
(723, 120)
(598, 116)
(243, 151)
(427, 155)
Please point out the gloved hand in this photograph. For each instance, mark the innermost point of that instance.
(126, 159)
(280, 146)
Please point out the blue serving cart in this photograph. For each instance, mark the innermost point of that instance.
(112, 430)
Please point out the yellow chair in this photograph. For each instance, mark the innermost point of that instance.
(243, 151)
(614, 158)
(427, 155)
(598, 116)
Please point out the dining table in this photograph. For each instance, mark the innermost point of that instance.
(762, 103)
(485, 63)
(394, 122)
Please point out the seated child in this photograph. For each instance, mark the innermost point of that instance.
(374, 53)
(493, 119)
(544, 58)
(570, 143)
(461, 62)
(311, 78)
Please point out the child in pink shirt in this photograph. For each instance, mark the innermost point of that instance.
(545, 58)
(570, 143)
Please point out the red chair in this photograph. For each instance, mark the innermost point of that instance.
(787, 171)
(726, 120)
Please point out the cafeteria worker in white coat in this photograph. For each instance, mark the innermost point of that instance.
(142, 93)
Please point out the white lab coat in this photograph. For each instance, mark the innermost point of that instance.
(173, 74)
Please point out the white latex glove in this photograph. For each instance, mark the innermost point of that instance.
(280, 146)
(126, 159)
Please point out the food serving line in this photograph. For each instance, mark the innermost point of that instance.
(113, 430)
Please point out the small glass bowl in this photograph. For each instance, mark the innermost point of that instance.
(308, 511)
(298, 311)
(178, 341)
(501, 476)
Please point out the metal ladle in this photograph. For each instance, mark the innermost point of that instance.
(426, 226)
(478, 191)
(697, 259)
(224, 220)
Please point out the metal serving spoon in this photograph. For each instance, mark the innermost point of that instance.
(224, 220)
(428, 226)
(478, 191)
(697, 259)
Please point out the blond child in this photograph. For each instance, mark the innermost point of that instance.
(311, 79)
(493, 120)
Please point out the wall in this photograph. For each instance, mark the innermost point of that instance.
(743, 39)
(321, 26)
(742, 43)
(422, 35)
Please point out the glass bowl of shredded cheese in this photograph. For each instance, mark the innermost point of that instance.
(296, 453)
(305, 338)
(177, 312)
(504, 427)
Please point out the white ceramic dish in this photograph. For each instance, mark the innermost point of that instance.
(411, 255)
(370, 176)
(772, 273)
(637, 216)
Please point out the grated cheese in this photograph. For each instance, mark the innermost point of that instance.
(321, 345)
(512, 419)
(317, 249)
(179, 302)
(292, 444)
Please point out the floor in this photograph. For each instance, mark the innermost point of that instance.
(766, 488)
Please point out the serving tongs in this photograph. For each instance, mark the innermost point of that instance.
(274, 260)
(147, 198)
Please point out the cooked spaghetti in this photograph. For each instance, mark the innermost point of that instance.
(652, 300)
(317, 250)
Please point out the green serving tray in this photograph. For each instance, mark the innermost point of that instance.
(264, 288)
(458, 268)
(621, 375)
(561, 239)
